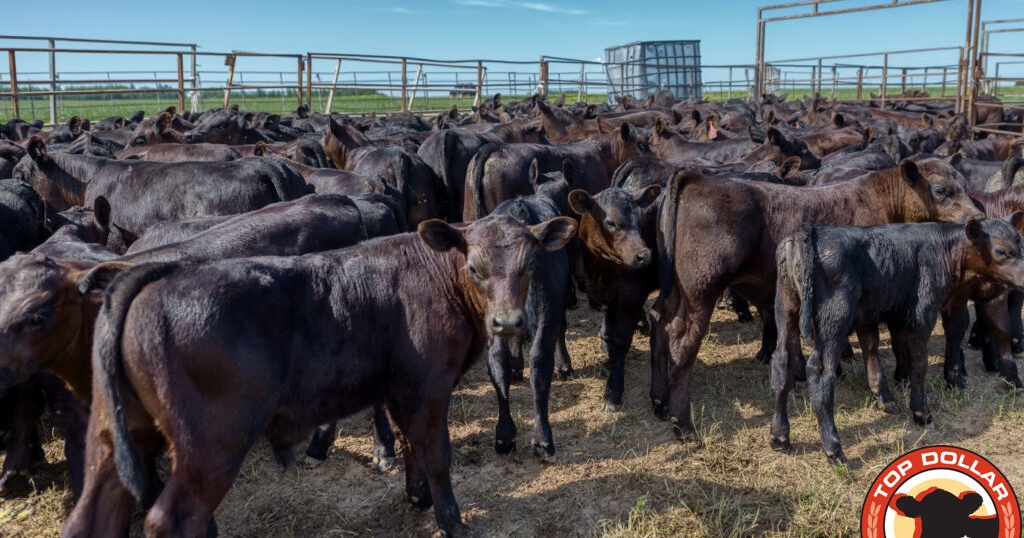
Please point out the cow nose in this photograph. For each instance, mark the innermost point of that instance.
(189, 138)
(642, 257)
(508, 322)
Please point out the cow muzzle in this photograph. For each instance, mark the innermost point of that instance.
(638, 259)
(506, 323)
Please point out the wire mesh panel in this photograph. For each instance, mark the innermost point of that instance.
(643, 67)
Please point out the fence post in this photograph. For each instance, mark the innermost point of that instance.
(12, 66)
(479, 84)
(814, 78)
(903, 81)
(405, 82)
(885, 77)
(53, 83)
(860, 83)
(542, 85)
(579, 93)
(945, 73)
(821, 75)
(181, 83)
(195, 83)
(415, 85)
(834, 82)
(229, 61)
(334, 83)
(924, 84)
(308, 66)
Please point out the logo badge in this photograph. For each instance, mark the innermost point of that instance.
(940, 491)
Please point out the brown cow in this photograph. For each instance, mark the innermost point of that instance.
(717, 233)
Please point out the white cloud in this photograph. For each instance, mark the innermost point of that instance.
(536, 6)
(401, 10)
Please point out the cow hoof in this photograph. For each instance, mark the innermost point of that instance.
(685, 437)
(644, 326)
(609, 407)
(505, 447)
(780, 444)
(544, 451)
(763, 358)
(921, 419)
(744, 317)
(1017, 347)
(421, 503)
(309, 462)
(15, 484)
(459, 531)
(887, 407)
(975, 341)
(565, 374)
(383, 463)
(836, 459)
(660, 409)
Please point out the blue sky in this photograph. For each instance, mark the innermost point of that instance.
(500, 29)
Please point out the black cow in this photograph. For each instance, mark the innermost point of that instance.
(833, 280)
(306, 358)
(945, 515)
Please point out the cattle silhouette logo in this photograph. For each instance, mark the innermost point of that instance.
(941, 492)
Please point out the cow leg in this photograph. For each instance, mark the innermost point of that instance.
(769, 334)
(563, 364)
(998, 321)
(821, 382)
(72, 419)
(867, 335)
(911, 347)
(383, 439)
(620, 320)
(516, 359)
(319, 445)
(1015, 303)
(681, 332)
(198, 483)
(787, 362)
(741, 307)
(499, 370)
(955, 320)
(425, 430)
(542, 365)
(23, 443)
(105, 506)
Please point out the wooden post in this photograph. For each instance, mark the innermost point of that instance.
(405, 83)
(885, 77)
(860, 83)
(945, 73)
(229, 61)
(334, 82)
(834, 81)
(12, 64)
(579, 93)
(821, 74)
(903, 82)
(415, 85)
(181, 82)
(543, 78)
(479, 84)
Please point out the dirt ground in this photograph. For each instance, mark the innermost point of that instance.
(616, 474)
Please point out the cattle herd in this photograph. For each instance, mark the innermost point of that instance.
(185, 284)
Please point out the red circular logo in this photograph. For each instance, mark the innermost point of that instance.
(940, 491)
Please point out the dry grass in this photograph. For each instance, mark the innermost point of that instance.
(617, 475)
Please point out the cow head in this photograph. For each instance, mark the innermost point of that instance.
(997, 250)
(46, 318)
(158, 129)
(610, 224)
(940, 195)
(227, 126)
(791, 147)
(499, 252)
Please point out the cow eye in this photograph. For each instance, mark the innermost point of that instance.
(139, 141)
(1001, 252)
(472, 271)
(940, 191)
(610, 224)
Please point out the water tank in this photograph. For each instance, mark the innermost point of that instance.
(644, 67)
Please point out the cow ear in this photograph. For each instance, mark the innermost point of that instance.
(927, 119)
(75, 125)
(624, 131)
(602, 125)
(790, 166)
(647, 196)
(163, 122)
(248, 121)
(659, 125)
(910, 172)
(908, 506)
(440, 236)
(973, 230)
(775, 137)
(582, 202)
(101, 212)
(37, 149)
(99, 277)
(568, 171)
(555, 233)
(272, 121)
(1017, 221)
(970, 502)
(839, 120)
(534, 175)
(955, 159)
(259, 149)
(695, 116)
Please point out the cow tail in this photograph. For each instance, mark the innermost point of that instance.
(109, 369)
(475, 177)
(668, 220)
(449, 148)
(1010, 168)
(806, 240)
